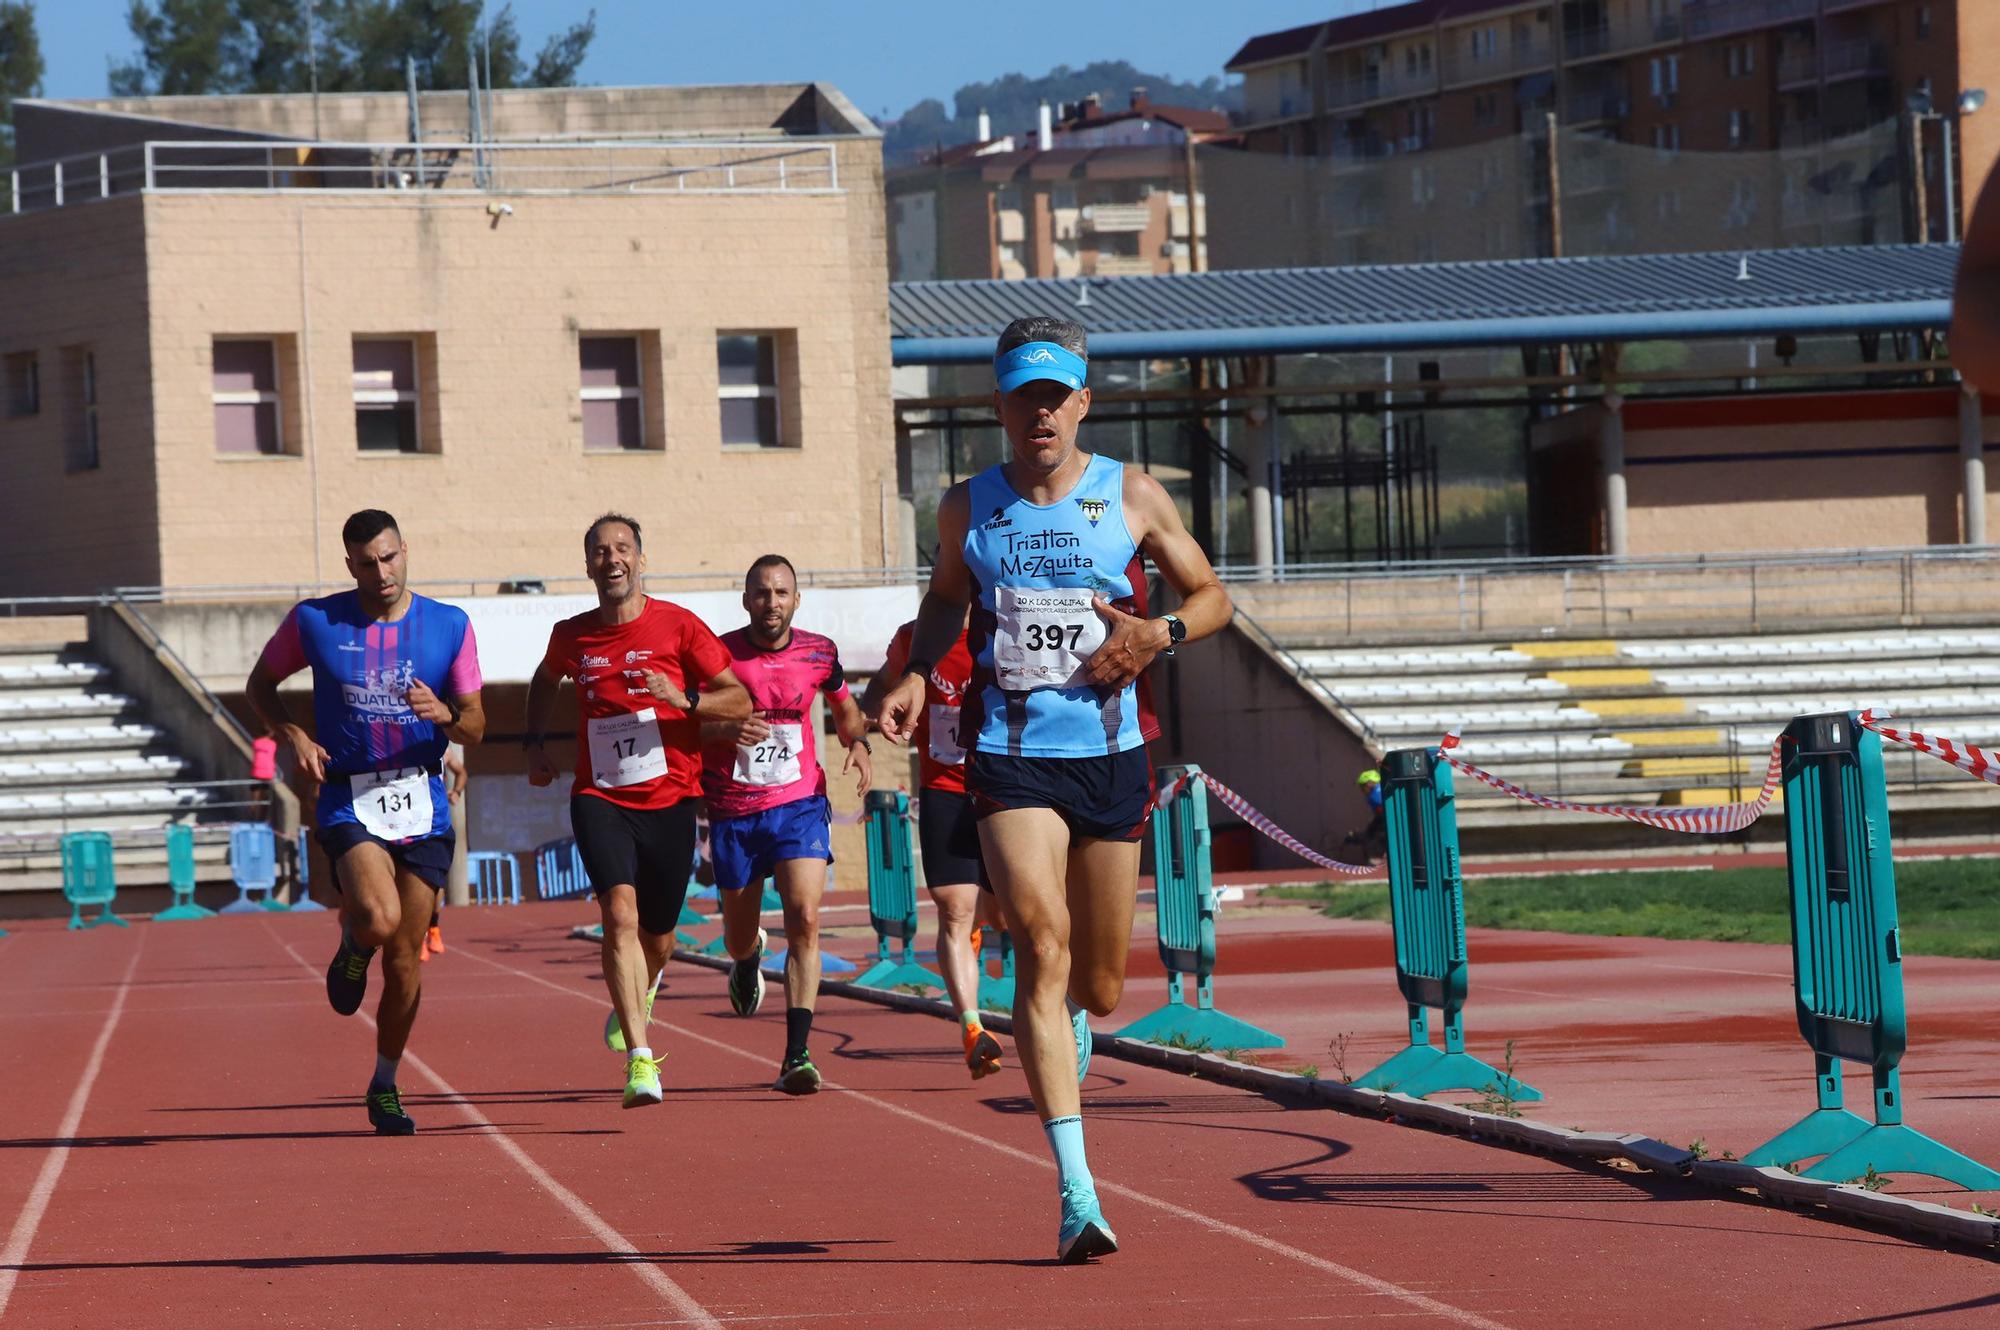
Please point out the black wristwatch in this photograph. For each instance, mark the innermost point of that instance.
(693, 692)
(1176, 633)
(455, 710)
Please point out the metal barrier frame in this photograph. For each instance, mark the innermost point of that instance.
(1184, 893)
(1427, 915)
(1847, 961)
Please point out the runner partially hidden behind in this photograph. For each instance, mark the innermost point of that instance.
(1046, 550)
(648, 673)
(395, 678)
(945, 830)
(767, 809)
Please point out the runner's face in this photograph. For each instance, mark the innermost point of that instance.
(380, 567)
(771, 598)
(614, 562)
(1040, 418)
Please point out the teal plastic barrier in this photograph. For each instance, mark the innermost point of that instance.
(1847, 960)
(88, 878)
(180, 877)
(1427, 910)
(996, 991)
(892, 893)
(1185, 890)
(253, 865)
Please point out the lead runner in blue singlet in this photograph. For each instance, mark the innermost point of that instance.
(1047, 550)
(395, 678)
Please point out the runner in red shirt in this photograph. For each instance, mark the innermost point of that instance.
(649, 673)
(767, 809)
(948, 835)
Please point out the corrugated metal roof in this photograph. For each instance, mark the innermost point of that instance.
(1281, 310)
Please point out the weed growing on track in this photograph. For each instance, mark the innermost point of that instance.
(1947, 906)
(1310, 1071)
(1498, 1097)
(1336, 1049)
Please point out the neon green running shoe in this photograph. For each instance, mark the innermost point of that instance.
(642, 1082)
(614, 1033)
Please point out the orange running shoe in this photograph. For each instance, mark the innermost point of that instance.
(434, 940)
(982, 1052)
(978, 943)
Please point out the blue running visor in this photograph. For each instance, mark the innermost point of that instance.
(1038, 360)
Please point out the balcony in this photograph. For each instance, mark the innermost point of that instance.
(1585, 108)
(1125, 265)
(1798, 64)
(1118, 218)
(1856, 59)
(1719, 18)
(1461, 67)
(1375, 85)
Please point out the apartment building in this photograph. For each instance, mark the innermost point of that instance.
(231, 321)
(1833, 109)
(1088, 192)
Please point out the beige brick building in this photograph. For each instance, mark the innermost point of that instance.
(222, 332)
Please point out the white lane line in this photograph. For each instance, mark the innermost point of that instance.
(650, 1274)
(39, 1195)
(1382, 1287)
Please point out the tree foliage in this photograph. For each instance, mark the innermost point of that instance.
(231, 46)
(20, 66)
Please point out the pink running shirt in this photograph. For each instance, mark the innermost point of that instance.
(740, 779)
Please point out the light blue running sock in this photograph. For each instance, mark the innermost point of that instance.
(1066, 1143)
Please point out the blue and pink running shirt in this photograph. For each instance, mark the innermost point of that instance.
(741, 779)
(382, 758)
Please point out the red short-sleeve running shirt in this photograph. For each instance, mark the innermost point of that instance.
(940, 749)
(631, 748)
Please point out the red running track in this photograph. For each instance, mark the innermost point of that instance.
(185, 1146)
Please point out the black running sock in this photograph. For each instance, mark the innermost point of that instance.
(798, 1029)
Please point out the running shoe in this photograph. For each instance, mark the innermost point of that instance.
(982, 1053)
(642, 1082)
(434, 939)
(746, 980)
(798, 1075)
(1079, 1020)
(1083, 1234)
(347, 976)
(385, 1112)
(614, 1033)
(977, 942)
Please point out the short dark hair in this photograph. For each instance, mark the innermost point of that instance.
(1044, 328)
(590, 533)
(771, 561)
(367, 524)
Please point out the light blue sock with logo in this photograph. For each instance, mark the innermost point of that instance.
(1066, 1143)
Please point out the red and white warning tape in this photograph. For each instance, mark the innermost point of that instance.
(1240, 806)
(1967, 758)
(1709, 820)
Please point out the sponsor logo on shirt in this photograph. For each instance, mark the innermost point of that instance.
(380, 692)
(596, 662)
(1092, 509)
(998, 522)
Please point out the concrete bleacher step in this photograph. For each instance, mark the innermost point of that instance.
(28, 772)
(38, 674)
(137, 862)
(19, 707)
(32, 738)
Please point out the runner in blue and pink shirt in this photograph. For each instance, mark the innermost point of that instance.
(395, 680)
(767, 808)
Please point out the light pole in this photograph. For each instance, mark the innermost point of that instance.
(1969, 102)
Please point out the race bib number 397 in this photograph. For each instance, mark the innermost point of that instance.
(1042, 636)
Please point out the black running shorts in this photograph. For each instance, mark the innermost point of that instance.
(650, 849)
(428, 857)
(944, 824)
(1104, 798)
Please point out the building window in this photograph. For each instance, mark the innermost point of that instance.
(614, 415)
(386, 395)
(245, 395)
(1062, 196)
(1741, 127)
(1667, 137)
(1923, 23)
(24, 384)
(80, 452)
(747, 382)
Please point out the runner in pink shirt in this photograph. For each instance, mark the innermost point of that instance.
(767, 809)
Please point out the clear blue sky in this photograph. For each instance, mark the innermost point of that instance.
(884, 54)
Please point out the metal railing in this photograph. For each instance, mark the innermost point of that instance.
(515, 584)
(1610, 597)
(160, 647)
(1712, 18)
(218, 803)
(1305, 674)
(267, 166)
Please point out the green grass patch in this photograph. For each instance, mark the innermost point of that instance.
(1947, 907)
